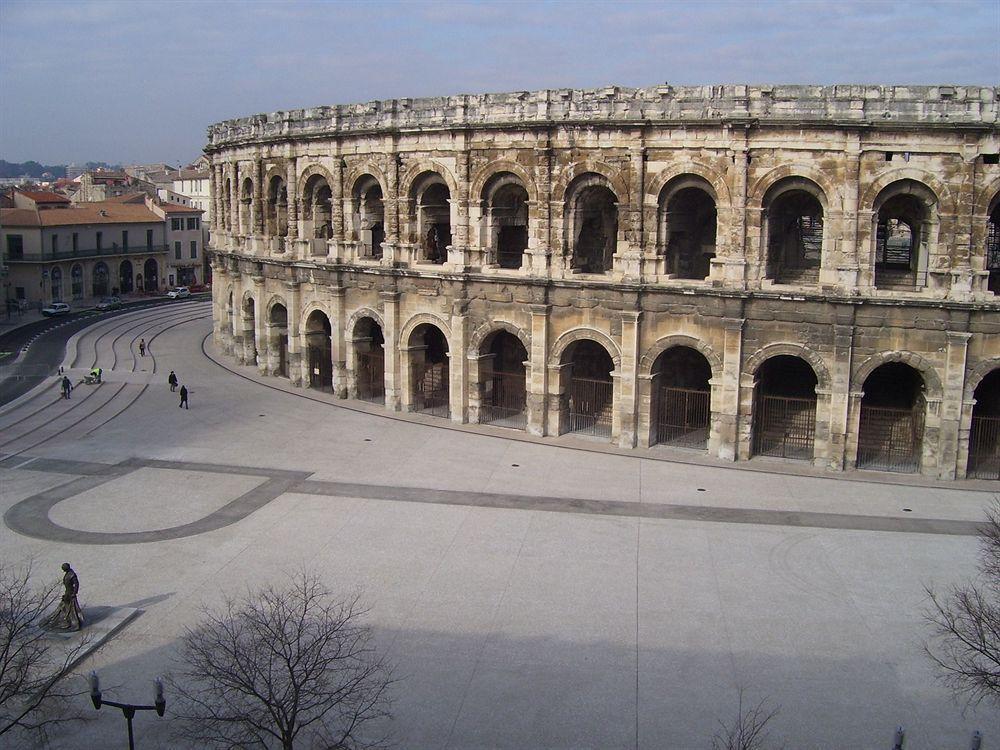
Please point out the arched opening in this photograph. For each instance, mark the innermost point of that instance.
(688, 226)
(993, 247)
(250, 328)
(369, 361)
(229, 315)
(794, 234)
(317, 203)
(432, 217)
(125, 277)
(891, 429)
(246, 207)
(276, 210)
(278, 323)
(429, 370)
(682, 397)
(502, 381)
(55, 279)
(101, 286)
(903, 226)
(984, 437)
(784, 409)
(369, 216)
(589, 388)
(593, 213)
(505, 207)
(151, 274)
(319, 356)
(76, 281)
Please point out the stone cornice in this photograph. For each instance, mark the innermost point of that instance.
(953, 107)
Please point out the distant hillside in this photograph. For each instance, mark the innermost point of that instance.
(32, 168)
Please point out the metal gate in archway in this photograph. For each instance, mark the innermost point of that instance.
(370, 375)
(984, 448)
(283, 355)
(890, 439)
(784, 427)
(430, 382)
(590, 406)
(682, 416)
(504, 400)
(320, 367)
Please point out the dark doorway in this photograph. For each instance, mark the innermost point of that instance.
(784, 409)
(319, 351)
(503, 400)
(890, 433)
(125, 277)
(101, 281)
(681, 397)
(279, 338)
(984, 437)
(429, 370)
(152, 275)
(369, 368)
(589, 389)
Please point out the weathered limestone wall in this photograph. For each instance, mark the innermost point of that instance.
(852, 148)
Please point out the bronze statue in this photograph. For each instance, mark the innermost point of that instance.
(68, 616)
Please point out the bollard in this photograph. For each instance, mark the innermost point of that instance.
(977, 740)
(897, 740)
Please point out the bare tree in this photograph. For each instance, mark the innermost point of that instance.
(33, 693)
(749, 729)
(965, 626)
(282, 667)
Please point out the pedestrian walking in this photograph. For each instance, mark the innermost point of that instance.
(184, 397)
(142, 347)
(172, 379)
(66, 386)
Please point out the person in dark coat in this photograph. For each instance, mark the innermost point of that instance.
(142, 347)
(184, 397)
(172, 379)
(66, 386)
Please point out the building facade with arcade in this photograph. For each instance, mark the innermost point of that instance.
(801, 272)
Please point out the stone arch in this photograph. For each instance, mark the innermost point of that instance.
(989, 196)
(360, 314)
(712, 178)
(419, 319)
(312, 307)
(313, 169)
(875, 189)
(648, 359)
(274, 299)
(359, 172)
(483, 331)
(932, 382)
(416, 170)
(798, 176)
(561, 188)
(975, 374)
(484, 175)
(579, 334)
(752, 363)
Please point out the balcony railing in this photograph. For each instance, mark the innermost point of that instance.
(93, 252)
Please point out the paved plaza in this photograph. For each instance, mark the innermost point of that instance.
(533, 593)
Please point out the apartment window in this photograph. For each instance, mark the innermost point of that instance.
(76, 241)
(124, 240)
(55, 244)
(176, 225)
(194, 248)
(99, 241)
(149, 239)
(177, 251)
(15, 246)
(193, 223)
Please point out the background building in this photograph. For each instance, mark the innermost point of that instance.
(801, 272)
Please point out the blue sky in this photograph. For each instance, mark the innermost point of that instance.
(140, 81)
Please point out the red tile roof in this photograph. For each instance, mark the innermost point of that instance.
(105, 212)
(44, 196)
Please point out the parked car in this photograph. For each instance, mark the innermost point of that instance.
(109, 303)
(179, 293)
(56, 308)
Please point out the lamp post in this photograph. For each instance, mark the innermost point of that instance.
(128, 709)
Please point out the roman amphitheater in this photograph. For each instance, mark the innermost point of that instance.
(800, 272)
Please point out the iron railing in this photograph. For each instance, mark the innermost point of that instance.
(431, 388)
(590, 406)
(371, 376)
(984, 448)
(48, 256)
(784, 427)
(504, 400)
(889, 439)
(682, 417)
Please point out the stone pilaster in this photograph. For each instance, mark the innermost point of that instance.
(393, 378)
(627, 383)
(292, 181)
(458, 364)
(338, 343)
(538, 370)
(729, 438)
(843, 352)
(295, 348)
(951, 404)
(258, 198)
